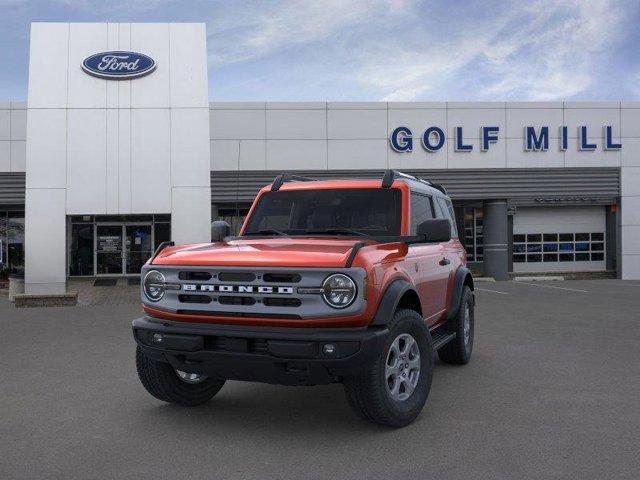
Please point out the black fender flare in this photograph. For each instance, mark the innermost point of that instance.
(389, 302)
(462, 277)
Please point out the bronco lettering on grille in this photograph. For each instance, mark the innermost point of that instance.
(190, 287)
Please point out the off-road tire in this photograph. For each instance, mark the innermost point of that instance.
(458, 351)
(367, 393)
(161, 381)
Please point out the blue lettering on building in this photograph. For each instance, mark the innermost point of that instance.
(536, 139)
(608, 139)
(488, 135)
(538, 142)
(564, 138)
(460, 145)
(427, 139)
(584, 140)
(401, 139)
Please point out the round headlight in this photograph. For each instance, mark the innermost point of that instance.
(153, 285)
(338, 290)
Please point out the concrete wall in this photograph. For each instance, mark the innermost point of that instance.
(13, 136)
(343, 135)
(99, 146)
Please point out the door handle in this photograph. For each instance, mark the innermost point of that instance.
(444, 261)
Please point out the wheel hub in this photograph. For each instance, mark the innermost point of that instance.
(191, 378)
(402, 368)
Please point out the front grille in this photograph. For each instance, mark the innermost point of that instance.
(236, 292)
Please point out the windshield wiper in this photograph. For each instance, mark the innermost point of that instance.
(337, 231)
(269, 231)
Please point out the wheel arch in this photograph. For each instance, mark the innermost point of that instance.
(463, 278)
(399, 294)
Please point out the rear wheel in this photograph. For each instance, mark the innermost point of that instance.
(458, 351)
(393, 390)
(175, 386)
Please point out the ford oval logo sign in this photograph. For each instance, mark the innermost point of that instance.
(118, 65)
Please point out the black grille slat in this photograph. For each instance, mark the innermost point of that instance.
(282, 277)
(233, 300)
(195, 276)
(282, 302)
(209, 313)
(258, 345)
(195, 299)
(237, 276)
(229, 344)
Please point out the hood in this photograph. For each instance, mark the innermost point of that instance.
(270, 252)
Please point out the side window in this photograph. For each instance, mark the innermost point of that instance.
(421, 210)
(446, 209)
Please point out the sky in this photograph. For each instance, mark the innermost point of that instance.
(377, 50)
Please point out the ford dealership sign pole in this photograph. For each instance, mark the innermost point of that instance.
(118, 65)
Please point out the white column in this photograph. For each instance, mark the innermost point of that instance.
(630, 229)
(630, 191)
(45, 241)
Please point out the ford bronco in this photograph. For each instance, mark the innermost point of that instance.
(352, 281)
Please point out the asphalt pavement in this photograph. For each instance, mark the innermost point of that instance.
(552, 392)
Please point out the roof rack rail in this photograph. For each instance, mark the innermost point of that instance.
(287, 177)
(437, 186)
(390, 175)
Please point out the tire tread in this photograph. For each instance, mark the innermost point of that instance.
(161, 381)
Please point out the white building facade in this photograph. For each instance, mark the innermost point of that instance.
(99, 170)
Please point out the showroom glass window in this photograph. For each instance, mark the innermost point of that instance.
(558, 247)
(473, 233)
(12, 239)
(114, 244)
(234, 215)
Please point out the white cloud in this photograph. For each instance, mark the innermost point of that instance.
(545, 51)
(260, 29)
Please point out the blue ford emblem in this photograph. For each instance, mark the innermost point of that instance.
(118, 65)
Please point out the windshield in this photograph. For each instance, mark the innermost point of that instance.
(361, 211)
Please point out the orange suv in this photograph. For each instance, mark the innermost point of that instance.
(351, 281)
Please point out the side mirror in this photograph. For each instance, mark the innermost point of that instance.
(435, 230)
(219, 230)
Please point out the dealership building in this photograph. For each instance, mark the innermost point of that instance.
(117, 148)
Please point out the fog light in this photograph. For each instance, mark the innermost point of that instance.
(329, 348)
(157, 338)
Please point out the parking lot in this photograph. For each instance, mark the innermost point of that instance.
(553, 391)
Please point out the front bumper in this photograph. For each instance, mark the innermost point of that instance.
(287, 356)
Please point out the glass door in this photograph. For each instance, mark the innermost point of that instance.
(138, 247)
(109, 258)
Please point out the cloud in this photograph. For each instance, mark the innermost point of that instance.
(263, 28)
(399, 50)
(547, 50)
(408, 50)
